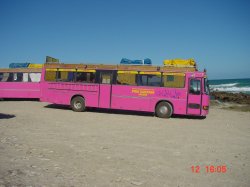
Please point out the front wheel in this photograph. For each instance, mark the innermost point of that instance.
(78, 104)
(164, 110)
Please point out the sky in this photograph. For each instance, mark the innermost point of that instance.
(216, 33)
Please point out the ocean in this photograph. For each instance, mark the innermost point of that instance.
(230, 85)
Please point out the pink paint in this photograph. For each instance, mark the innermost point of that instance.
(20, 90)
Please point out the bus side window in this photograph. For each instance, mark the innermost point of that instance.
(18, 77)
(106, 78)
(174, 81)
(34, 77)
(10, 77)
(5, 77)
(91, 77)
(62, 76)
(195, 87)
(149, 80)
(154, 80)
(126, 79)
(1, 77)
(71, 77)
(50, 75)
(85, 77)
(26, 77)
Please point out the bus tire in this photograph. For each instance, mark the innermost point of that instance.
(164, 110)
(78, 104)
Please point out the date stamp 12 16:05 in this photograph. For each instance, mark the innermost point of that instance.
(209, 169)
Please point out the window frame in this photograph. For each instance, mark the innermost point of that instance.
(139, 80)
(173, 74)
(200, 87)
(118, 72)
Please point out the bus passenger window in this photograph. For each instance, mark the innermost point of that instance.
(126, 79)
(85, 77)
(34, 77)
(5, 77)
(154, 80)
(70, 77)
(174, 81)
(65, 76)
(10, 77)
(149, 80)
(195, 87)
(91, 77)
(50, 75)
(17, 77)
(106, 78)
(62, 76)
(170, 78)
(25, 77)
(1, 77)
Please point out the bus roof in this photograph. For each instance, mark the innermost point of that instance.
(121, 67)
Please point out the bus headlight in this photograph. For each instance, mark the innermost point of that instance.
(205, 107)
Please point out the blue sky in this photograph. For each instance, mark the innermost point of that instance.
(216, 33)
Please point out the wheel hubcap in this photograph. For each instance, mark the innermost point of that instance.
(163, 109)
(77, 105)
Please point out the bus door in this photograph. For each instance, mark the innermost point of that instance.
(105, 88)
(194, 97)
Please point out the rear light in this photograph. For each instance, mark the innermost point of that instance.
(205, 107)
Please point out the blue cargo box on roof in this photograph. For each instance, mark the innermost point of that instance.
(19, 65)
(126, 61)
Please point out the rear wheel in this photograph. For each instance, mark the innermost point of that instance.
(164, 110)
(78, 104)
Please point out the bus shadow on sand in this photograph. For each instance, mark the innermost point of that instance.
(188, 117)
(57, 106)
(6, 116)
(100, 110)
(18, 99)
(121, 112)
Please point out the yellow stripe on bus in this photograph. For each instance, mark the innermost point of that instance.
(51, 69)
(178, 74)
(66, 69)
(128, 72)
(85, 70)
(150, 72)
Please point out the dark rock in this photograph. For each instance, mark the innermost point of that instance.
(239, 98)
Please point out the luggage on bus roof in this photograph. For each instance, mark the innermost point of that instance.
(35, 66)
(50, 59)
(146, 61)
(180, 63)
(19, 65)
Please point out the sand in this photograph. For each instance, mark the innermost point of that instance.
(46, 145)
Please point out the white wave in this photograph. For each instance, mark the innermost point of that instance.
(232, 89)
(223, 85)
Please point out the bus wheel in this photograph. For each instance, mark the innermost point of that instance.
(164, 110)
(78, 104)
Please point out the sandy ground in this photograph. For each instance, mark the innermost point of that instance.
(44, 145)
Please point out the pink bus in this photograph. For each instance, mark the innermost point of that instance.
(163, 91)
(20, 83)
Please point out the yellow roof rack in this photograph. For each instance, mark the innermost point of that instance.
(180, 63)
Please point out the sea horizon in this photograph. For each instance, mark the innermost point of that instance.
(226, 79)
(239, 85)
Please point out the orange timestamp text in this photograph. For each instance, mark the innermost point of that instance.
(209, 169)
